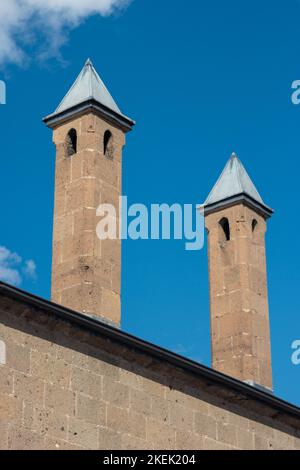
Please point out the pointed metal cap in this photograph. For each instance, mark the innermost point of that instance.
(235, 186)
(88, 91)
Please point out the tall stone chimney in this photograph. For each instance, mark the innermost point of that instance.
(89, 134)
(236, 217)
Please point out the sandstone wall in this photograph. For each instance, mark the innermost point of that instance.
(64, 387)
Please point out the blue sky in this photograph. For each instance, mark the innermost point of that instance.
(202, 79)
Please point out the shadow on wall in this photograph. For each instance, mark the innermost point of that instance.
(46, 333)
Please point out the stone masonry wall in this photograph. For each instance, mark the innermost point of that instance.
(64, 387)
(86, 270)
(239, 308)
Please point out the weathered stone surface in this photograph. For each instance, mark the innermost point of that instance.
(82, 391)
(60, 400)
(238, 295)
(83, 433)
(83, 181)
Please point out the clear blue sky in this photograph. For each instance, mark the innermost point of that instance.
(202, 79)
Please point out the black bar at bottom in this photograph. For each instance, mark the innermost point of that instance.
(134, 459)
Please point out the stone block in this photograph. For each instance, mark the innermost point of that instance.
(115, 393)
(84, 219)
(4, 435)
(212, 444)
(136, 425)
(140, 402)
(186, 440)
(76, 167)
(129, 442)
(227, 433)
(162, 409)
(50, 369)
(6, 380)
(109, 440)
(117, 418)
(20, 438)
(49, 422)
(61, 400)
(86, 382)
(154, 388)
(160, 435)
(245, 439)
(83, 433)
(10, 409)
(62, 172)
(28, 388)
(60, 201)
(205, 425)
(90, 410)
(111, 305)
(181, 417)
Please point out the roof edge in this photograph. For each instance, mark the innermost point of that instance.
(241, 198)
(122, 121)
(128, 340)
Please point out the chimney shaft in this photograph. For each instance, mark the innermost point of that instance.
(236, 225)
(89, 135)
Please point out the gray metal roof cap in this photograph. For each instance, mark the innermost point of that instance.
(235, 181)
(88, 87)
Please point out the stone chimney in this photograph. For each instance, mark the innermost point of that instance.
(236, 217)
(89, 134)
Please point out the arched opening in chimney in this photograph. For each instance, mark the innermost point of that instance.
(254, 225)
(225, 229)
(108, 144)
(71, 143)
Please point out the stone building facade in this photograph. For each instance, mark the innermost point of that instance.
(71, 379)
(72, 382)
